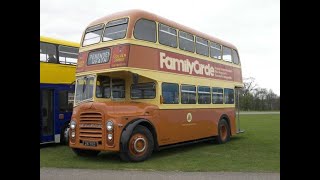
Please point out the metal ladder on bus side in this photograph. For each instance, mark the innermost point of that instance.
(238, 113)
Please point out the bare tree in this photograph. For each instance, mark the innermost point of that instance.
(252, 97)
(249, 85)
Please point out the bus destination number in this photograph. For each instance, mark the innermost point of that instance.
(99, 57)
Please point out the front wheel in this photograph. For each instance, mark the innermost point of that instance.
(224, 132)
(64, 136)
(140, 145)
(85, 153)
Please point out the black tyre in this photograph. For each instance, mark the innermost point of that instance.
(85, 153)
(64, 135)
(140, 145)
(224, 132)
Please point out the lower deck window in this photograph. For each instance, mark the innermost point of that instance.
(66, 101)
(170, 93)
(188, 94)
(228, 96)
(143, 91)
(217, 95)
(204, 96)
(108, 87)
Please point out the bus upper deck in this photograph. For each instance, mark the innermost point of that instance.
(135, 37)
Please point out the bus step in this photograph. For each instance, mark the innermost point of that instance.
(240, 131)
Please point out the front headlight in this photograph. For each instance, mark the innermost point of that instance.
(73, 124)
(110, 137)
(109, 125)
(73, 134)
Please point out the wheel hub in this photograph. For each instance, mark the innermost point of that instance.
(139, 144)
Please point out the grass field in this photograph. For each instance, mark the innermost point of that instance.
(256, 150)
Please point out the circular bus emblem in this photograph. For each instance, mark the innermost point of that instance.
(189, 117)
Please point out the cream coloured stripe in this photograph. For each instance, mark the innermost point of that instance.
(169, 77)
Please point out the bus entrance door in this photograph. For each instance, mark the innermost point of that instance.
(66, 95)
(47, 116)
(237, 90)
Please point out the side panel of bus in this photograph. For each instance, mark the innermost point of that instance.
(54, 115)
(177, 126)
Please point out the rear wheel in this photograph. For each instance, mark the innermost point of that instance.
(85, 153)
(140, 145)
(224, 132)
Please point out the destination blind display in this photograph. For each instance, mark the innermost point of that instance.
(99, 57)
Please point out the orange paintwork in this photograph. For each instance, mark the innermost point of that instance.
(120, 112)
(171, 125)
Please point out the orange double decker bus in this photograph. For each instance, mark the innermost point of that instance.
(144, 83)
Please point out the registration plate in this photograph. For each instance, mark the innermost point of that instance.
(90, 143)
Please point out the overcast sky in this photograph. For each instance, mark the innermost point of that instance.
(253, 26)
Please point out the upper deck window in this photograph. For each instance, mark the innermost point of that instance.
(167, 35)
(116, 29)
(202, 46)
(48, 52)
(235, 57)
(68, 55)
(186, 41)
(227, 54)
(215, 50)
(93, 35)
(145, 30)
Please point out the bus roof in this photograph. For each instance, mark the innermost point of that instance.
(137, 14)
(58, 41)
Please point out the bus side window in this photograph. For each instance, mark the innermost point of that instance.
(170, 93)
(70, 106)
(47, 50)
(228, 96)
(188, 94)
(168, 98)
(66, 101)
(68, 55)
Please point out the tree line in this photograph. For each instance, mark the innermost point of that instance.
(254, 98)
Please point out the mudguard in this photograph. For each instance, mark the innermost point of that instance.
(226, 117)
(126, 133)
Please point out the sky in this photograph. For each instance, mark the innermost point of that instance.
(253, 26)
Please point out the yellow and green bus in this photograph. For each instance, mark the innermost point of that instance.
(58, 60)
(144, 83)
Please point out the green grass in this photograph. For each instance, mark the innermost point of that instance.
(256, 150)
